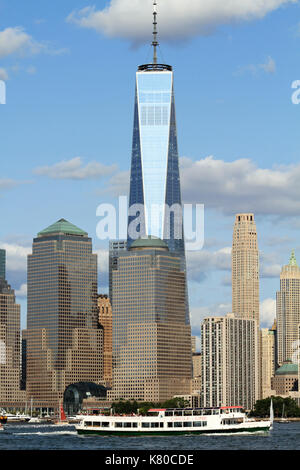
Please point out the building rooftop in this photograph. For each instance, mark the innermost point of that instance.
(149, 242)
(293, 261)
(62, 226)
(288, 368)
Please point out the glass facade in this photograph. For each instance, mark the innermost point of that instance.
(155, 181)
(151, 341)
(2, 264)
(155, 178)
(10, 353)
(64, 341)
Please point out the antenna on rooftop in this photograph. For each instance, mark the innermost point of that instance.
(154, 42)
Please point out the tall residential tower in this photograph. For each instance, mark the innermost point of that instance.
(245, 268)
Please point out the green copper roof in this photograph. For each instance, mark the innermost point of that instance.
(288, 368)
(149, 242)
(62, 226)
(293, 261)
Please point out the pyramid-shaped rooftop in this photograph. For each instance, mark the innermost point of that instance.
(62, 226)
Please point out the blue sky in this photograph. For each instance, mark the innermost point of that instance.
(66, 129)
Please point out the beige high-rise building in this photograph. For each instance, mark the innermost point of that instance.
(229, 361)
(288, 311)
(10, 359)
(152, 351)
(267, 349)
(63, 339)
(245, 278)
(245, 268)
(105, 320)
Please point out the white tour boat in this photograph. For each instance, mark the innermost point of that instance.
(226, 419)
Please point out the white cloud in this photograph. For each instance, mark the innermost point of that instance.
(200, 262)
(102, 260)
(268, 67)
(131, 19)
(31, 70)
(267, 312)
(118, 185)
(22, 291)
(15, 40)
(7, 184)
(3, 74)
(74, 169)
(240, 186)
(16, 256)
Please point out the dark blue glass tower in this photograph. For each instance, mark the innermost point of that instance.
(155, 179)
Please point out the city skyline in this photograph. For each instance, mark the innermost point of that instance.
(64, 153)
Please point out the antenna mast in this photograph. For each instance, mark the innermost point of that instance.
(154, 42)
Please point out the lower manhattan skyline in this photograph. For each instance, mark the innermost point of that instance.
(237, 153)
(150, 201)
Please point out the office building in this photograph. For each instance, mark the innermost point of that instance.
(2, 264)
(267, 349)
(288, 311)
(64, 341)
(105, 320)
(155, 193)
(115, 248)
(285, 379)
(151, 340)
(10, 355)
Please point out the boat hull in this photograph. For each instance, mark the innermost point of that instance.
(172, 433)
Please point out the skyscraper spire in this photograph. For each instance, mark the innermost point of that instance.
(154, 42)
(293, 261)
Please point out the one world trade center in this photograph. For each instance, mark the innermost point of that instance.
(155, 207)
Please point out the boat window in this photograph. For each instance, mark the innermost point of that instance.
(178, 425)
(127, 425)
(154, 425)
(134, 425)
(105, 424)
(177, 413)
(187, 424)
(145, 425)
(199, 423)
(118, 425)
(197, 412)
(215, 412)
(169, 413)
(88, 423)
(207, 412)
(161, 425)
(170, 425)
(187, 413)
(96, 423)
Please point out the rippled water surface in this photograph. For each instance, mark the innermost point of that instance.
(44, 437)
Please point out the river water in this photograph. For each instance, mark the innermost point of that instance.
(44, 437)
